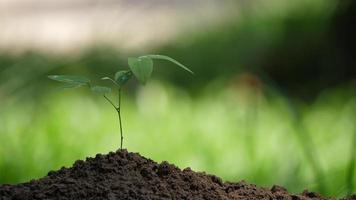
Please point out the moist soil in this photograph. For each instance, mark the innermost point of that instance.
(124, 175)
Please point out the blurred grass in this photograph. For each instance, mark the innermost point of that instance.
(234, 132)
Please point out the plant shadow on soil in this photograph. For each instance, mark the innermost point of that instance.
(125, 175)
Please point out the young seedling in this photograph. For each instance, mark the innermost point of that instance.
(140, 67)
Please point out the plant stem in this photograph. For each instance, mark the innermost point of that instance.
(110, 102)
(119, 113)
(118, 109)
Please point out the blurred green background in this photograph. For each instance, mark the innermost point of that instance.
(272, 101)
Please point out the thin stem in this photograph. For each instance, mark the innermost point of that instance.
(119, 113)
(110, 102)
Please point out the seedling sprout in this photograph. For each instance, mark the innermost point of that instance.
(140, 67)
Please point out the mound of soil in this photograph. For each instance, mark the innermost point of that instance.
(123, 175)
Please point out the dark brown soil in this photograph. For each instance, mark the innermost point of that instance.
(123, 175)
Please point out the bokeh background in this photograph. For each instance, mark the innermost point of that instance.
(272, 101)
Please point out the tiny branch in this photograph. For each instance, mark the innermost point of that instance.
(116, 108)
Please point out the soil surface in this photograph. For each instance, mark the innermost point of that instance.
(123, 175)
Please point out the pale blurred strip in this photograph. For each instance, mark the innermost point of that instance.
(59, 26)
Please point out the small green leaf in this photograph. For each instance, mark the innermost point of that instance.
(70, 79)
(141, 67)
(121, 77)
(100, 89)
(110, 79)
(71, 85)
(162, 57)
(106, 78)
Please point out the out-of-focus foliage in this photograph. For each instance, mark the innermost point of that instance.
(303, 48)
(234, 128)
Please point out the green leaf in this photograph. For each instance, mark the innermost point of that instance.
(71, 85)
(110, 79)
(106, 78)
(100, 89)
(71, 79)
(141, 67)
(162, 57)
(121, 77)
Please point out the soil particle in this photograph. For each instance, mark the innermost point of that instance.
(124, 175)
